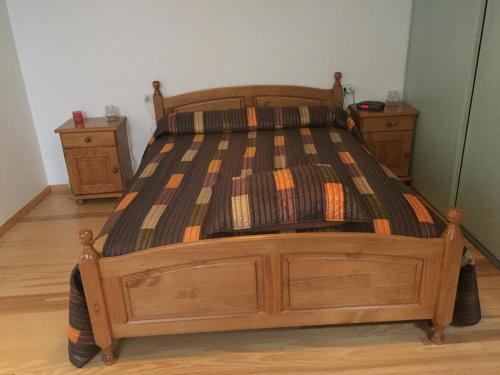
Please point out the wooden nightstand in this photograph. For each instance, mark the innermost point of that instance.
(97, 157)
(389, 135)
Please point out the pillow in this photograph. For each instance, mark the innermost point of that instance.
(300, 197)
(345, 121)
(245, 119)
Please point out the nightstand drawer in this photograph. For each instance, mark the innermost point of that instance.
(392, 123)
(89, 139)
(393, 149)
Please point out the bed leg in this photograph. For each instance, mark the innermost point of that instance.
(91, 279)
(108, 356)
(437, 336)
(452, 260)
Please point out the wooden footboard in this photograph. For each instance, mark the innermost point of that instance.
(275, 280)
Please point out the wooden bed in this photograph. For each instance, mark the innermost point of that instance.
(272, 280)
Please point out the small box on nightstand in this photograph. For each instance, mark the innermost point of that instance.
(389, 135)
(97, 157)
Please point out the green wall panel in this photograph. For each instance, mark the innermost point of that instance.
(479, 186)
(444, 39)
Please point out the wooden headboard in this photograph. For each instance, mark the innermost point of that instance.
(247, 96)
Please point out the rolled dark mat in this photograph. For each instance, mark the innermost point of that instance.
(467, 306)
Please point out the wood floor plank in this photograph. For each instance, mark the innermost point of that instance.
(38, 254)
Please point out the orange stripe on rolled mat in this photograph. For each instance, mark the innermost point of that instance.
(251, 116)
(73, 334)
(191, 233)
(127, 199)
(334, 201)
(283, 179)
(152, 140)
(420, 210)
(382, 226)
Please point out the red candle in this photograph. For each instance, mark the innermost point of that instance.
(78, 117)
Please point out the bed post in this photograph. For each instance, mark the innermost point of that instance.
(91, 278)
(450, 269)
(338, 92)
(158, 101)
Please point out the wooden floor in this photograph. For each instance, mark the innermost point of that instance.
(36, 258)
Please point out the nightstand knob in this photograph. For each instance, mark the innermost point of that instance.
(88, 139)
(406, 155)
(391, 124)
(115, 170)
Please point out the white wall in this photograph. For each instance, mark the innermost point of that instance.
(85, 54)
(21, 171)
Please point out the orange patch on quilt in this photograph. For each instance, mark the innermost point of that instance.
(334, 201)
(167, 148)
(419, 208)
(198, 138)
(382, 226)
(214, 166)
(191, 233)
(152, 140)
(305, 131)
(174, 180)
(304, 115)
(346, 157)
(350, 123)
(126, 200)
(250, 152)
(73, 334)
(251, 116)
(279, 140)
(283, 179)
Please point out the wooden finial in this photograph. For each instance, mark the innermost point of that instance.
(338, 91)
(89, 254)
(158, 101)
(455, 215)
(85, 236)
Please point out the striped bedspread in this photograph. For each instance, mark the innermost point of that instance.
(275, 170)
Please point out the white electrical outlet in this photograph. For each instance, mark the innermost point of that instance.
(348, 88)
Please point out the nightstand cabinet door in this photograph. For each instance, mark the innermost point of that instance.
(393, 149)
(93, 170)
